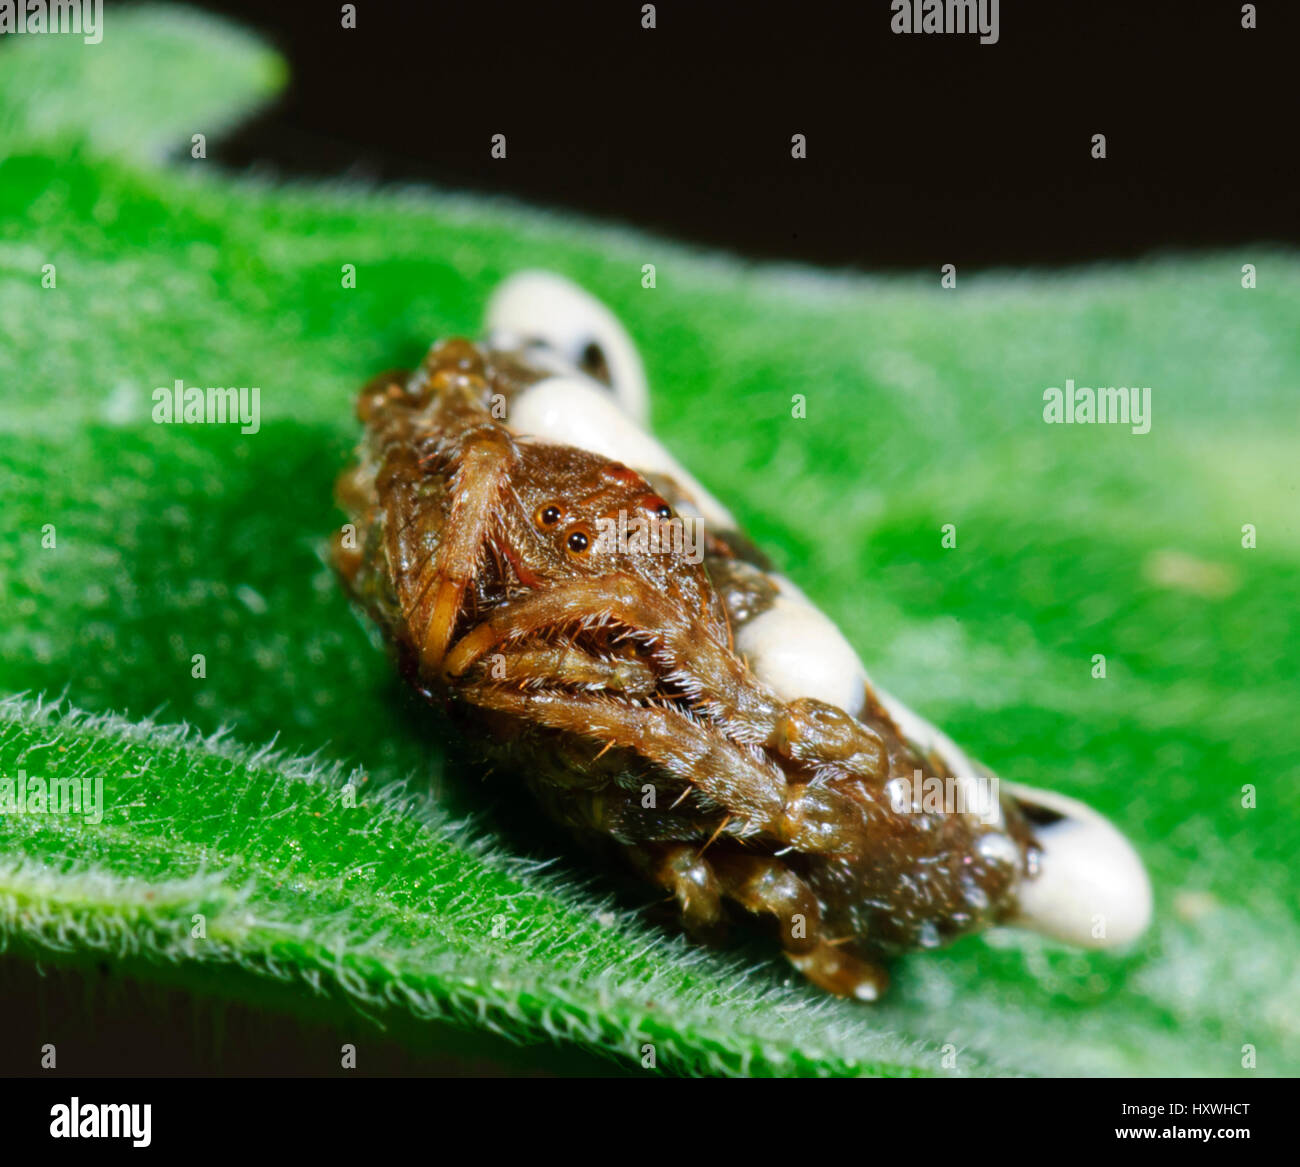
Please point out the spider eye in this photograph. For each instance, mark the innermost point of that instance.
(578, 542)
(657, 506)
(548, 516)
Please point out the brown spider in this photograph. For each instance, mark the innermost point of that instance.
(679, 704)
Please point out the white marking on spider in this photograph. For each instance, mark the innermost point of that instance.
(536, 306)
(1092, 889)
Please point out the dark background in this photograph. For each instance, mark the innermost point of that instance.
(922, 149)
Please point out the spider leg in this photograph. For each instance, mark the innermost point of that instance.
(765, 885)
(761, 885)
(816, 733)
(812, 819)
(689, 877)
(657, 839)
(697, 880)
(681, 639)
(563, 665)
(432, 590)
(749, 785)
(714, 678)
(843, 973)
(439, 418)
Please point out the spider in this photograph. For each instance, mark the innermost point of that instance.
(697, 712)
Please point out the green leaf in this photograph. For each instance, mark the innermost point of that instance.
(924, 407)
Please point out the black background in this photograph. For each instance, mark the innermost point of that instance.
(922, 149)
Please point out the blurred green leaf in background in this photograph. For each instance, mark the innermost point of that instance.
(129, 550)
